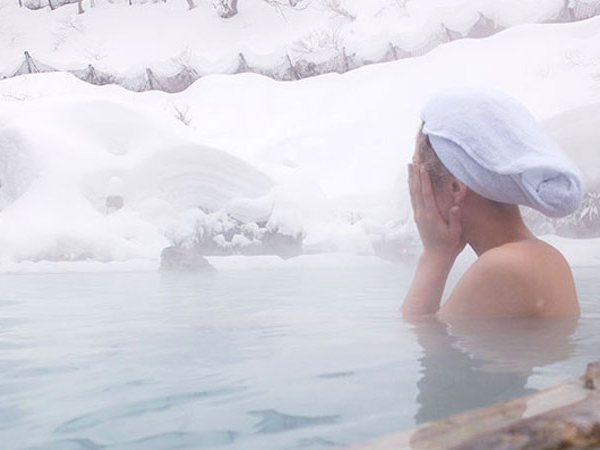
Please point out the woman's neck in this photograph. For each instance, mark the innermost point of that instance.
(494, 226)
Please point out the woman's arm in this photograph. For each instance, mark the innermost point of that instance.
(425, 292)
(442, 242)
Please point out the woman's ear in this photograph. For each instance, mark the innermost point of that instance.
(459, 191)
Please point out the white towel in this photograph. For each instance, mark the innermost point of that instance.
(490, 142)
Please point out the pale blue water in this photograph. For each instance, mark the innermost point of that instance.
(255, 359)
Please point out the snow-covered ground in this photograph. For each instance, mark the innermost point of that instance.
(322, 159)
(164, 45)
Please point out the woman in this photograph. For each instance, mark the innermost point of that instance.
(478, 155)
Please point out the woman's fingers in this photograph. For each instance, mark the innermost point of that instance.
(410, 186)
(421, 192)
(417, 195)
(437, 234)
(427, 190)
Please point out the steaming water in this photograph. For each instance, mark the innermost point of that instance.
(284, 358)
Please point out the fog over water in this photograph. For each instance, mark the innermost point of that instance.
(256, 359)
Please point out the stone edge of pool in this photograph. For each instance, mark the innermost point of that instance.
(565, 416)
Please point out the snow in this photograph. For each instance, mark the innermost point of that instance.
(578, 130)
(323, 158)
(80, 150)
(199, 38)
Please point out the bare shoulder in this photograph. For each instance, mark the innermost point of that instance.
(526, 278)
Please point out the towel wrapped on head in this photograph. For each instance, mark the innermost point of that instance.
(490, 142)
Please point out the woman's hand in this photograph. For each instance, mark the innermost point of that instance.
(441, 240)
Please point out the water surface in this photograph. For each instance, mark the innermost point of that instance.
(264, 359)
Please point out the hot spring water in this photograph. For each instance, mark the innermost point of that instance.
(264, 359)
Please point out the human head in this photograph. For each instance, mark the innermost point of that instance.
(492, 143)
(426, 156)
(448, 190)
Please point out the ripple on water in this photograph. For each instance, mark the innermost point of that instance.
(9, 365)
(43, 371)
(68, 444)
(344, 374)
(165, 441)
(273, 421)
(126, 385)
(180, 440)
(9, 323)
(317, 442)
(139, 408)
(10, 415)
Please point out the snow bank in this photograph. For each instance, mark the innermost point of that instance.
(578, 131)
(62, 159)
(321, 160)
(287, 43)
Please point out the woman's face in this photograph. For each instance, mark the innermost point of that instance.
(442, 190)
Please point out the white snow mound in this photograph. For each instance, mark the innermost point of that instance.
(62, 160)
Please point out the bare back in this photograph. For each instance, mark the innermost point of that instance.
(524, 278)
